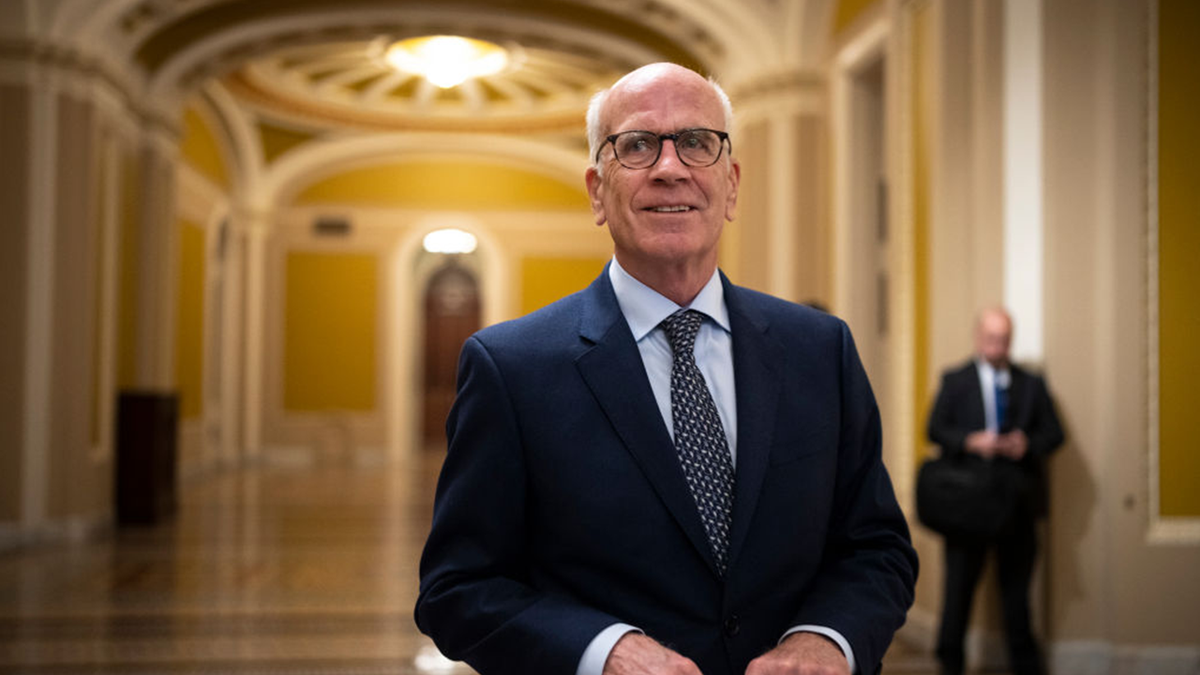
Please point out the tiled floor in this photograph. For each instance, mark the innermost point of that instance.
(273, 570)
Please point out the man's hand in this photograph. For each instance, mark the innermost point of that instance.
(1013, 445)
(802, 654)
(983, 443)
(637, 654)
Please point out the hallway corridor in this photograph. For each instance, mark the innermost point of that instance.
(269, 570)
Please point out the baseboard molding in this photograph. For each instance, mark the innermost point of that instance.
(985, 649)
(986, 652)
(919, 630)
(1094, 657)
(306, 456)
(70, 530)
(11, 537)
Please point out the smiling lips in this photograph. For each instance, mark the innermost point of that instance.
(669, 209)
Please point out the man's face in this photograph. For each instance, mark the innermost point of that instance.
(993, 334)
(669, 213)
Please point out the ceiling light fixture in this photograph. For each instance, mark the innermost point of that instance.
(447, 60)
(449, 240)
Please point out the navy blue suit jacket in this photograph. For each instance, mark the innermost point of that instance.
(562, 507)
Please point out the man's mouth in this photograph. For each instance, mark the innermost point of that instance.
(669, 209)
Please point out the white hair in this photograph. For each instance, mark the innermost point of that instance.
(597, 134)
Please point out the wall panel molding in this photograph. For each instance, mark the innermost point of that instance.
(1161, 529)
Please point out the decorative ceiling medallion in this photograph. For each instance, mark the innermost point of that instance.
(449, 60)
(350, 83)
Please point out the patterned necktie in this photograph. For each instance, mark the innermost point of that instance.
(699, 437)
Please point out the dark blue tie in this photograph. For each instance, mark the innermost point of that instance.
(1001, 406)
(699, 437)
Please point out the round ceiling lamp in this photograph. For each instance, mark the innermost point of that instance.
(447, 60)
(449, 240)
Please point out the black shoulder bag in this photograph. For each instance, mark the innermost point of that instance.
(966, 497)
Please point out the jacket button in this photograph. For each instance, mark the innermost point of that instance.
(732, 626)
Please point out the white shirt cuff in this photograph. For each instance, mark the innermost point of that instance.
(594, 657)
(832, 635)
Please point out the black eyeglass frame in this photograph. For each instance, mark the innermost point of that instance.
(722, 138)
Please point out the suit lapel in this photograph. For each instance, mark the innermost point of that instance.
(756, 359)
(1017, 385)
(613, 370)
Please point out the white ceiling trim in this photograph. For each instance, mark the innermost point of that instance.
(322, 159)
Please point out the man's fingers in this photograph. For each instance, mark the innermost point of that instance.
(802, 654)
(637, 654)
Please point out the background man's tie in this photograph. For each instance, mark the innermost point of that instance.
(1001, 407)
(699, 437)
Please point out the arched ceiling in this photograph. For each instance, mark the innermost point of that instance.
(316, 63)
(349, 83)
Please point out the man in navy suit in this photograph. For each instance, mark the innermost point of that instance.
(993, 409)
(574, 529)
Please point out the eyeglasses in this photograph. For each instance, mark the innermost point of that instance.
(641, 149)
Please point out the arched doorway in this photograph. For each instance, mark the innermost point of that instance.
(452, 314)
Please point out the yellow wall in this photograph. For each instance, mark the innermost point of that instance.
(922, 111)
(544, 280)
(447, 185)
(277, 140)
(330, 332)
(189, 336)
(1179, 249)
(200, 149)
(847, 11)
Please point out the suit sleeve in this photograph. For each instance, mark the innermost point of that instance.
(1044, 431)
(476, 601)
(869, 569)
(947, 427)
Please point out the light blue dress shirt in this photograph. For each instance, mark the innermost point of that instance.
(989, 379)
(644, 308)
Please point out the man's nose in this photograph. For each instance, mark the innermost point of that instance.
(668, 165)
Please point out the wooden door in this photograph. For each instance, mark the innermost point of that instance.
(452, 314)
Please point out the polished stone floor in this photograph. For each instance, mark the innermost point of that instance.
(269, 570)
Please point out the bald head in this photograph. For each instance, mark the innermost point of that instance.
(993, 336)
(641, 82)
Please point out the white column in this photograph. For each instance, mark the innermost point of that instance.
(107, 296)
(782, 253)
(40, 299)
(158, 262)
(1023, 203)
(256, 228)
(777, 103)
(233, 317)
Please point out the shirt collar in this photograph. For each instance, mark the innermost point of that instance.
(997, 377)
(644, 308)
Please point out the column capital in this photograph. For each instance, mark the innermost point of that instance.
(251, 219)
(770, 83)
(788, 90)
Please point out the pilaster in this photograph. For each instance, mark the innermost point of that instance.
(783, 213)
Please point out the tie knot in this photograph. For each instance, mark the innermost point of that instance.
(681, 328)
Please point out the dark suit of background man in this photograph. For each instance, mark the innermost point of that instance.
(1000, 412)
(566, 534)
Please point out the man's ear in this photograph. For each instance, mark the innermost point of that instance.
(595, 187)
(735, 177)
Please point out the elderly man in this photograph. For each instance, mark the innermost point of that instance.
(994, 409)
(664, 472)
